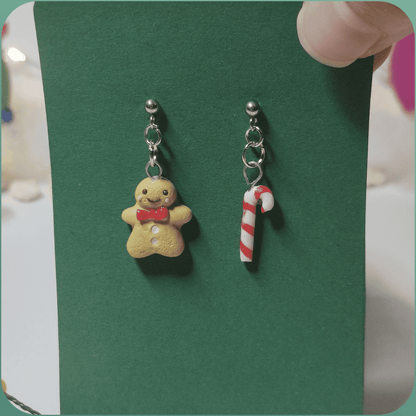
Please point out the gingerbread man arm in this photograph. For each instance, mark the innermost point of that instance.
(180, 215)
(129, 215)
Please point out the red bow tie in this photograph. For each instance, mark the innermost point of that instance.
(154, 214)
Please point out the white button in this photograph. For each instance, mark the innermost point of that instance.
(155, 229)
(154, 241)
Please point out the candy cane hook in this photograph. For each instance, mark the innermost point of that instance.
(257, 194)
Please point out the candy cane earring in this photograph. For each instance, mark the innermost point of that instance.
(154, 219)
(255, 194)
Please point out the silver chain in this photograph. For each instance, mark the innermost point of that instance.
(255, 144)
(153, 147)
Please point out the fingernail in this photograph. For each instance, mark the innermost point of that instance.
(332, 34)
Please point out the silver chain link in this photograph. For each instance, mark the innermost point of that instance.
(153, 147)
(254, 144)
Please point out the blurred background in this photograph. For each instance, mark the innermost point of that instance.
(30, 360)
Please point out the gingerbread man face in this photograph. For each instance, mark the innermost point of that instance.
(155, 224)
(152, 194)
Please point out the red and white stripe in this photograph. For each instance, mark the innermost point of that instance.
(258, 194)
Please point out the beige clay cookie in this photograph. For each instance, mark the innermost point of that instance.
(155, 226)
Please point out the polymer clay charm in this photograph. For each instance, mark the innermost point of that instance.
(255, 194)
(155, 219)
(155, 224)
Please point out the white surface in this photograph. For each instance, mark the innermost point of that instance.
(30, 361)
(29, 330)
(29, 315)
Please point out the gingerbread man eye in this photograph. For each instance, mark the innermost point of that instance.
(144, 192)
(165, 192)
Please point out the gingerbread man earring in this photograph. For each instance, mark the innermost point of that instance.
(155, 219)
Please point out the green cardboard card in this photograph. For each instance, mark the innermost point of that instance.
(204, 333)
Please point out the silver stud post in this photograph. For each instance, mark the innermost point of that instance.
(252, 108)
(151, 107)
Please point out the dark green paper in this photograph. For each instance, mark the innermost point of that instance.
(204, 333)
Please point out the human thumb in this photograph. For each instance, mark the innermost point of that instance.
(337, 33)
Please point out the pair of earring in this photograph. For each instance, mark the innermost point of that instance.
(155, 220)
